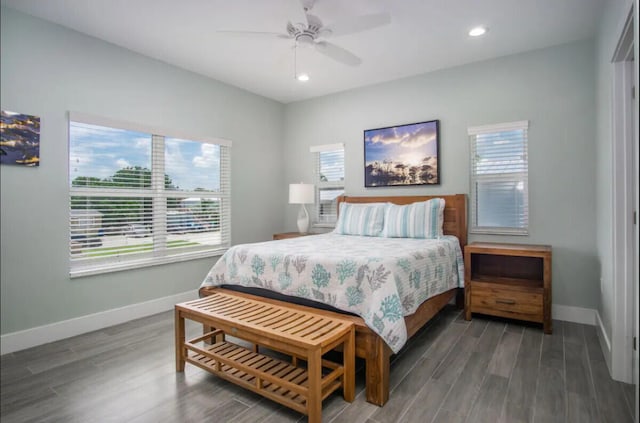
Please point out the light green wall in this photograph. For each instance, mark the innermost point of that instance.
(553, 88)
(47, 70)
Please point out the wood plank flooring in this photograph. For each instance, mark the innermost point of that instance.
(486, 370)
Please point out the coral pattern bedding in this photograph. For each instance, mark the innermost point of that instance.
(379, 279)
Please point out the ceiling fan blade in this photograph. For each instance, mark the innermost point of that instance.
(358, 24)
(337, 53)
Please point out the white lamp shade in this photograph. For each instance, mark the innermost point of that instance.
(301, 194)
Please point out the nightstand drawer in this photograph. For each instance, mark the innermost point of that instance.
(506, 302)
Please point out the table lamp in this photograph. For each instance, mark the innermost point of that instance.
(302, 194)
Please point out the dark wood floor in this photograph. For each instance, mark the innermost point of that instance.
(452, 371)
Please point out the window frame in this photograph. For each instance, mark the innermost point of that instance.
(157, 194)
(521, 176)
(317, 150)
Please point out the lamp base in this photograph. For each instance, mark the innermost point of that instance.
(303, 220)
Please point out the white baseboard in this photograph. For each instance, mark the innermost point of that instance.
(605, 343)
(28, 338)
(586, 316)
(602, 333)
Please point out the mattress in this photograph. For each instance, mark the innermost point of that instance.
(379, 279)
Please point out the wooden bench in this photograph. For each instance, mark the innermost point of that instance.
(301, 334)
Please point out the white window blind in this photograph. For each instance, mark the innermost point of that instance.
(329, 182)
(499, 178)
(141, 196)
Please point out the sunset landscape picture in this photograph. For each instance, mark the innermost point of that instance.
(402, 155)
(19, 139)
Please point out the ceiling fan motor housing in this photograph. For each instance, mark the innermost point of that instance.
(306, 34)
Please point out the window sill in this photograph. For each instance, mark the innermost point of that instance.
(501, 231)
(80, 272)
(323, 225)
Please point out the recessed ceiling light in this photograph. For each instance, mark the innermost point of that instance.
(477, 31)
(303, 77)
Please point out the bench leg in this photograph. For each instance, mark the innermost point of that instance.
(314, 394)
(377, 371)
(349, 363)
(217, 338)
(180, 350)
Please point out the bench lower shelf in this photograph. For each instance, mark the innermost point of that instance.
(270, 377)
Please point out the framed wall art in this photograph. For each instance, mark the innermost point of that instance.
(19, 139)
(402, 155)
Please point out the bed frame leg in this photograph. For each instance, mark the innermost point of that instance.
(377, 372)
(460, 298)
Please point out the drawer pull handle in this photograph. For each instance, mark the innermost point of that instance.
(500, 301)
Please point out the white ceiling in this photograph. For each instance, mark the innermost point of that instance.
(424, 35)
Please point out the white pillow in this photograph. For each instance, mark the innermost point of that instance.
(361, 219)
(417, 220)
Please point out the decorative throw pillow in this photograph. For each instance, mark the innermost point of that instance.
(361, 219)
(417, 220)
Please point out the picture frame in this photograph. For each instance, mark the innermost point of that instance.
(19, 139)
(402, 155)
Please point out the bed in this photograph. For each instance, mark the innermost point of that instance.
(380, 330)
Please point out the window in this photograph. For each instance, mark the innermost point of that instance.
(139, 196)
(499, 169)
(329, 181)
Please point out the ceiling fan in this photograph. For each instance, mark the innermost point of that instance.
(307, 30)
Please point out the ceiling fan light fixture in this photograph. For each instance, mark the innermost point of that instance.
(303, 77)
(305, 40)
(477, 31)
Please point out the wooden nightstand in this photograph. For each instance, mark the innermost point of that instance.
(508, 280)
(286, 235)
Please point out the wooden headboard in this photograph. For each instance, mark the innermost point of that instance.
(455, 210)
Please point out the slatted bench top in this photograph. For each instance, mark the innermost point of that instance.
(288, 325)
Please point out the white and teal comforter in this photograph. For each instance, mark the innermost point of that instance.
(379, 279)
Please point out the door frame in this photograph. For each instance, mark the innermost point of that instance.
(624, 232)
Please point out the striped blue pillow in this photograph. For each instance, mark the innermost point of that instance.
(361, 219)
(417, 220)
